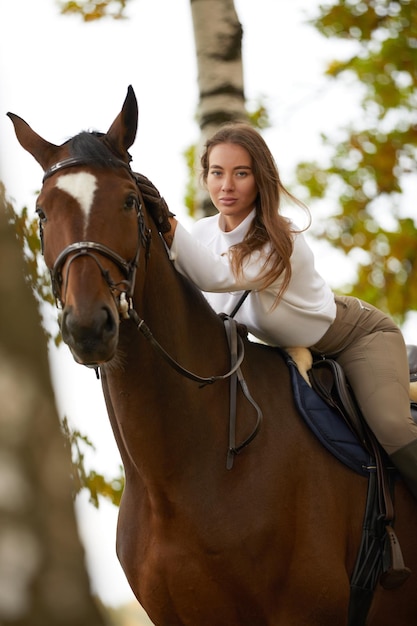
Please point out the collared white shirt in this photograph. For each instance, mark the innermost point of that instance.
(306, 309)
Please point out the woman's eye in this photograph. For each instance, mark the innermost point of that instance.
(41, 214)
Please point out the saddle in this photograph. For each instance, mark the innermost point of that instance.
(329, 381)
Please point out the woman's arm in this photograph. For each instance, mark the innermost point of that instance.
(206, 269)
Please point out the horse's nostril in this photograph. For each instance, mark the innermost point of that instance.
(109, 323)
(92, 336)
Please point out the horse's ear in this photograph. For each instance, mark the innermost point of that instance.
(122, 132)
(43, 151)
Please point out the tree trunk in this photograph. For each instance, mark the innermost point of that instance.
(43, 579)
(218, 40)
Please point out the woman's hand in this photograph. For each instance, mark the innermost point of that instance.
(156, 205)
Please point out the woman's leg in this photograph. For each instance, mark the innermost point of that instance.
(371, 350)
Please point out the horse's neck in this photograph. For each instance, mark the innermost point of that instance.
(177, 313)
(155, 409)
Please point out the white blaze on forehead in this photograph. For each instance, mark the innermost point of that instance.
(81, 187)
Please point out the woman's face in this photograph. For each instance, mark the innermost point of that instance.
(231, 183)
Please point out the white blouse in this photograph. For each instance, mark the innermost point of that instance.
(306, 309)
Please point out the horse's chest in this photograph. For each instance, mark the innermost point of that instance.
(181, 580)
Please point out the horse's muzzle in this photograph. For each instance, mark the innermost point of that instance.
(93, 339)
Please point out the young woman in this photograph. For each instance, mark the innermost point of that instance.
(249, 245)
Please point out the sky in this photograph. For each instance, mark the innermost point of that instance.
(63, 76)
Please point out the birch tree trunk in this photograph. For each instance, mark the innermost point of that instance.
(218, 40)
(43, 579)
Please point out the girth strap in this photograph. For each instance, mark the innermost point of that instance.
(380, 557)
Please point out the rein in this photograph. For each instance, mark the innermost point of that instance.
(144, 329)
(237, 353)
(126, 310)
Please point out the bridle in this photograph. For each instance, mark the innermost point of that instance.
(122, 289)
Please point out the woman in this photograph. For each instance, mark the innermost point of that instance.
(249, 245)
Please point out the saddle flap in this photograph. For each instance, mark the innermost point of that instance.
(329, 381)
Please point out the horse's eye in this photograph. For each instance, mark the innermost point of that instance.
(41, 214)
(131, 203)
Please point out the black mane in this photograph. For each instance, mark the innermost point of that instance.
(90, 146)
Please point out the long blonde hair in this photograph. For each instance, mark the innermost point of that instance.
(268, 226)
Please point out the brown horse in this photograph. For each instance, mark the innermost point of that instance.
(271, 542)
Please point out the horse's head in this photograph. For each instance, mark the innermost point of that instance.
(90, 219)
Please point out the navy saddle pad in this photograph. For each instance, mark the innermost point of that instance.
(328, 425)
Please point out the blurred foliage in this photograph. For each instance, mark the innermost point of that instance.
(191, 187)
(37, 275)
(374, 157)
(90, 10)
(82, 478)
(259, 116)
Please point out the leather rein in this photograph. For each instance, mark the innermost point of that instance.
(124, 290)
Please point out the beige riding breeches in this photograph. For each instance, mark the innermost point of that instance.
(371, 350)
